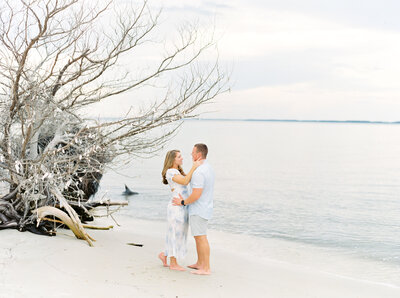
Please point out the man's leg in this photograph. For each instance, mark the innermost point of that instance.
(193, 222)
(199, 231)
(203, 251)
(197, 264)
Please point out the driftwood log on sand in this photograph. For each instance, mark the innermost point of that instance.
(70, 218)
(84, 225)
(75, 226)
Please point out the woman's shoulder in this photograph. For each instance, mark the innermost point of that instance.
(173, 171)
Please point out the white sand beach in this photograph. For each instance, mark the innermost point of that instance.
(62, 266)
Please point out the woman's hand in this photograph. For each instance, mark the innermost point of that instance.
(197, 163)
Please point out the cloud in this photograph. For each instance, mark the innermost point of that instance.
(305, 60)
(306, 101)
(359, 13)
(195, 8)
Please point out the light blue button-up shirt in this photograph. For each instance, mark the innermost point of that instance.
(203, 177)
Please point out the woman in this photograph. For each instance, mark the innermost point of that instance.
(174, 175)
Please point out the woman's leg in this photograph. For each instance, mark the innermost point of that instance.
(173, 265)
(163, 258)
(176, 237)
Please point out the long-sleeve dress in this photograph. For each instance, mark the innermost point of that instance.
(177, 217)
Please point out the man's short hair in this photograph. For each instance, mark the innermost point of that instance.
(202, 148)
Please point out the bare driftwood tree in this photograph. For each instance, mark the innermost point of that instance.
(57, 58)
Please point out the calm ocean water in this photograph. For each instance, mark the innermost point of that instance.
(331, 185)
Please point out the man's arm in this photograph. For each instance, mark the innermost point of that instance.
(196, 193)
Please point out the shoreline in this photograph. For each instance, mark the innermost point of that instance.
(326, 259)
(329, 260)
(63, 266)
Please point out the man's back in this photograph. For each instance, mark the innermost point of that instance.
(203, 178)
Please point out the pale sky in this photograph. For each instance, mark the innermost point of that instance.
(304, 59)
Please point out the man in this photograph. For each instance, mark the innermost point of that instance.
(200, 208)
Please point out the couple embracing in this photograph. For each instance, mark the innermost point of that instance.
(184, 208)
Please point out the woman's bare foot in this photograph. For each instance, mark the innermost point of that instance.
(177, 267)
(194, 266)
(201, 272)
(163, 259)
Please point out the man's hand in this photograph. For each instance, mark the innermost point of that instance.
(177, 201)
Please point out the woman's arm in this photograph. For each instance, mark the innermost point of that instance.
(184, 180)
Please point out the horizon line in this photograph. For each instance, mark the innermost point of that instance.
(294, 120)
(281, 120)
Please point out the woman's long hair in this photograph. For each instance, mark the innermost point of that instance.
(168, 164)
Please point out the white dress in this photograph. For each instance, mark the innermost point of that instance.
(177, 216)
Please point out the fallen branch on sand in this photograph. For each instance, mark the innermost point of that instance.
(135, 244)
(84, 225)
(75, 227)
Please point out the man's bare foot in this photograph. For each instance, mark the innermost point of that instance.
(177, 267)
(163, 259)
(194, 266)
(201, 272)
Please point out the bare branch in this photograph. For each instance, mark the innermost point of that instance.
(58, 57)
